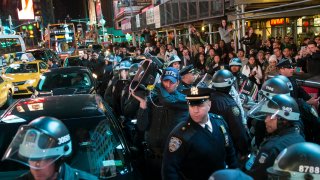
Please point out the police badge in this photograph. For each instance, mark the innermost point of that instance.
(174, 144)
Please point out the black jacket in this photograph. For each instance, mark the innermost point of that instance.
(224, 105)
(270, 149)
(164, 111)
(298, 91)
(192, 152)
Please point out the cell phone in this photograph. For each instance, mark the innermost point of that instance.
(298, 69)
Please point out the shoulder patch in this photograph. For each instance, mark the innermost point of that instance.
(174, 144)
(263, 158)
(235, 110)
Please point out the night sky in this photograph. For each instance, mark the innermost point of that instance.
(72, 7)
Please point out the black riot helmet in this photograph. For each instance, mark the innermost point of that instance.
(298, 161)
(273, 87)
(286, 80)
(44, 138)
(222, 79)
(280, 105)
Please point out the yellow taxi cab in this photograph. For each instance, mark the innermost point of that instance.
(6, 93)
(24, 74)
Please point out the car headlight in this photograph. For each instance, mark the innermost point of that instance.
(30, 81)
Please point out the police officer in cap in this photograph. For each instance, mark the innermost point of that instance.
(280, 113)
(287, 69)
(43, 148)
(201, 145)
(188, 76)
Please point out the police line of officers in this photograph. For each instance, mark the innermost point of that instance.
(190, 125)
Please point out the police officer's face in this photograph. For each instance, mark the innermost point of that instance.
(235, 69)
(199, 113)
(176, 65)
(170, 86)
(288, 72)
(188, 78)
(271, 124)
(42, 174)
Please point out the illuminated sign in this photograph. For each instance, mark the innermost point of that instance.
(27, 10)
(60, 37)
(275, 22)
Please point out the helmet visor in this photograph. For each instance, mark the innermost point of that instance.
(35, 149)
(266, 107)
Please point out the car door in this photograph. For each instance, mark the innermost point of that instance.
(3, 93)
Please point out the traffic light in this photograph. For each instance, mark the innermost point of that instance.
(37, 8)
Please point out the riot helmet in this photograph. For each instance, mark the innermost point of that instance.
(133, 69)
(286, 80)
(43, 140)
(280, 105)
(124, 70)
(222, 79)
(298, 161)
(173, 59)
(274, 86)
(235, 62)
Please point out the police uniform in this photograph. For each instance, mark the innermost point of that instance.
(224, 105)
(298, 92)
(270, 149)
(194, 152)
(182, 85)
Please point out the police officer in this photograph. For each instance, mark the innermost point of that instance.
(235, 66)
(158, 115)
(42, 148)
(308, 114)
(286, 69)
(298, 161)
(281, 114)
(188, 76)
(269, 88)
(201, 145)
(223, 104)
(119, 85)
(174, 61)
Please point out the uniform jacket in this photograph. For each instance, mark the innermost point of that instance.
(270, 149)
(224, 105)
(192, 152)
(164, 111)
(65, 172)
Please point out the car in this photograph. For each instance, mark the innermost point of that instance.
(6, 88)
(24, 74)
(99, 146)
(66, 80)
(44, 54)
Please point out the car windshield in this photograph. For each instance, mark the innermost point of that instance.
(22, 68)
(40, 55)
(51, 81)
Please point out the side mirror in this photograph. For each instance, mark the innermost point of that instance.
(31, 89)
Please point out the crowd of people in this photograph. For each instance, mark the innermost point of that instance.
(191, 112)
(186, 89)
